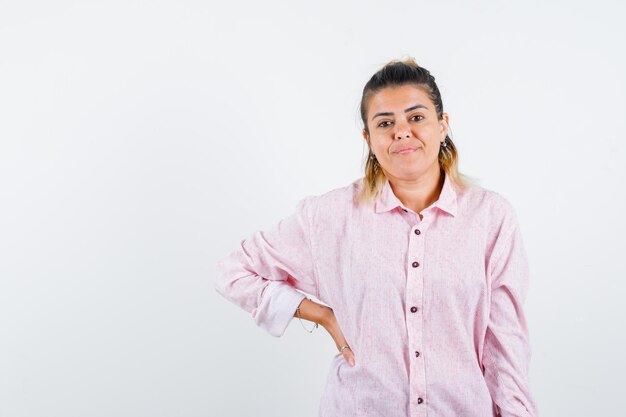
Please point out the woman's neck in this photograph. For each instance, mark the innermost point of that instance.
(417, 194)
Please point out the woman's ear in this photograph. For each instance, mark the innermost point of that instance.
(364, 135)
(444, 124)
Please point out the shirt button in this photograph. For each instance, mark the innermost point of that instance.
(417, 354)
(413, 309)
(419, 400)
(416, 264)
(417, 231)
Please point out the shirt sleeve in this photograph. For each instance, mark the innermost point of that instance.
(264, 274)
(507, 353)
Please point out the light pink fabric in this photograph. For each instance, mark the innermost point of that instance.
(453, 292)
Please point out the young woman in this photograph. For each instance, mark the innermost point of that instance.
(424, 273)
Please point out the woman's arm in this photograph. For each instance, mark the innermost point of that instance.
(263, 275)
(315, 312)
(506, 354)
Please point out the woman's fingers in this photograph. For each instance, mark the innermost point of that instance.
(349, 356)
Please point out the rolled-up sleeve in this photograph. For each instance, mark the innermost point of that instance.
(264, 274)
(507, 350)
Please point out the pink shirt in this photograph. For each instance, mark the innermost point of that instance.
(431, 308)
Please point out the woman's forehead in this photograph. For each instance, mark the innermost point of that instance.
(406, 98)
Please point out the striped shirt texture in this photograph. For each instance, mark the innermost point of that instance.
(432, 307)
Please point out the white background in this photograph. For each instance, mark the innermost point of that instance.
(140, 141)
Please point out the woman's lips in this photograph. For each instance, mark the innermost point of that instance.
(405, 151)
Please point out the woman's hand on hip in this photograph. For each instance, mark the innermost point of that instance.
(332, 327)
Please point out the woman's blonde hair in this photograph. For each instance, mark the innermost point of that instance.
(398, 73)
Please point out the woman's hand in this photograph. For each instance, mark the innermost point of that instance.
(332, 327)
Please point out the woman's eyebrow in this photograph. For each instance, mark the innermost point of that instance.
(417, 106)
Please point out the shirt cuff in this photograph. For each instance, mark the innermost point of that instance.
(278, 305)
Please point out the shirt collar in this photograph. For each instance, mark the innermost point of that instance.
(387, 200)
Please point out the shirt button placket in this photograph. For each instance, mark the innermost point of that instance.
(415, 291)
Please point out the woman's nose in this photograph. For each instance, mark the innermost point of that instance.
(402, 131)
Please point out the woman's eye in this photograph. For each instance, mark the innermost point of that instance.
(418, 115)
(382, 124)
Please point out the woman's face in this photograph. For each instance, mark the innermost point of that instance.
(405, 117)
